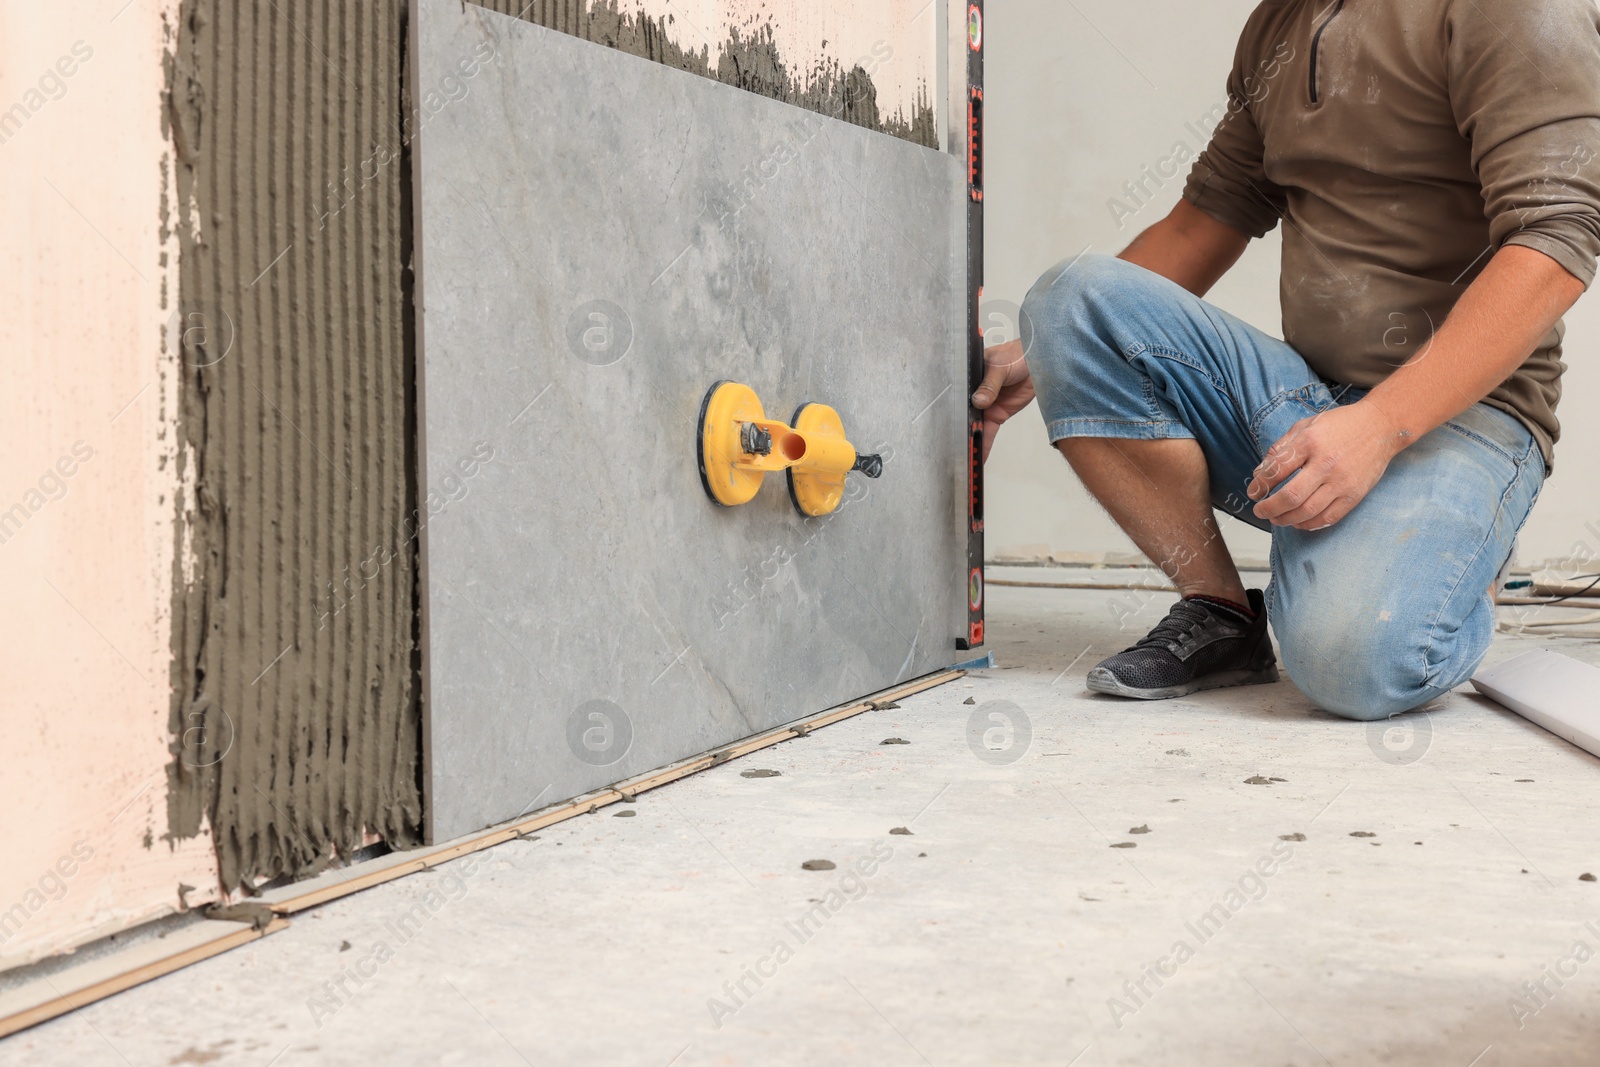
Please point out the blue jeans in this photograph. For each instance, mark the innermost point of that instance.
(1378, 614)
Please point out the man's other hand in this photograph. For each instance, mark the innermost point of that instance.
(1006, 389)
(1335, 458)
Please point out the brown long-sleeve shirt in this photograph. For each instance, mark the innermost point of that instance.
(1402, 143)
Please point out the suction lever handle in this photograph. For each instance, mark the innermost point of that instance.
(871, 466)
(755, 440)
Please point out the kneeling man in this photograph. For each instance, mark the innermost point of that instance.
(1436, 168)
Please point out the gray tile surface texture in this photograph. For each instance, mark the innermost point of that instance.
(600, 238)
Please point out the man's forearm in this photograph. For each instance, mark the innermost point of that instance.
(1498, 321)
(1188, 247)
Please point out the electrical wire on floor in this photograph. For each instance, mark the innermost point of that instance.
(1538, 628)
(1581, 592)
(1556, 627)
(1515, 601)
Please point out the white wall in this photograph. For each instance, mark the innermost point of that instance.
(86, 446)
(1079, 98)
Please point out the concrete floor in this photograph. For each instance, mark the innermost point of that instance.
(1023, 920)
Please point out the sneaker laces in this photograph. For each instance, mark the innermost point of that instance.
(1176, 627)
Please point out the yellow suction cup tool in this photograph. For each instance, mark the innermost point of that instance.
(817, 487)
(730, 474)
(738, 445)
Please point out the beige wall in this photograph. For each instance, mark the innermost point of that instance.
(1082, 96)
(87, 479)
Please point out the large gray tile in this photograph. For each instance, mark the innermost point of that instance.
(717, 234)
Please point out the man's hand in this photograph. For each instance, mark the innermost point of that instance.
(1006, 389)
(1335, 458)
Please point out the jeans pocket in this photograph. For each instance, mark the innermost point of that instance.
(1278, 415)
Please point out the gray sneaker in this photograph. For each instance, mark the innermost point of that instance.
(1201, 644)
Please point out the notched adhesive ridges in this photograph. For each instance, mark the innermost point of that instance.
(295, 713)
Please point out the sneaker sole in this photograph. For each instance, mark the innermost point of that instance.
(1101, 680)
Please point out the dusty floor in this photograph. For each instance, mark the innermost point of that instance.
(1126, 884)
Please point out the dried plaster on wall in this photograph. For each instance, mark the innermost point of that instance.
(871, 65)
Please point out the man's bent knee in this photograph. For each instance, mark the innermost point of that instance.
(1074, 331)
(1073, 287)
(1355, 675)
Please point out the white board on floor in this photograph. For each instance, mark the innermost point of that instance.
(1554, 691)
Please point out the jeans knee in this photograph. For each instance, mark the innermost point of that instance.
(1065, 291)
(1069, 315)
(1355, 672)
